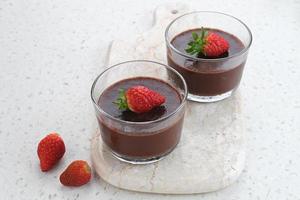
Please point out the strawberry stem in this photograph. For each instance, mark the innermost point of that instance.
(121, 101)
(196, 45)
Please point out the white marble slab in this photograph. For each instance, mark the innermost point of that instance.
(210, 155)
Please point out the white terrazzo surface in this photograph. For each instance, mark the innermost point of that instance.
(50, 52)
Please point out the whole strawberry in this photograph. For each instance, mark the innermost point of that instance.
(209, 44)
(77, 173)
(50, 150)
(139, 99)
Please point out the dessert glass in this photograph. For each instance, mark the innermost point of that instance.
(140, 142)
(226, 73)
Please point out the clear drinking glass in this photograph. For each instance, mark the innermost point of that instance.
(140, 142)
(209, 80)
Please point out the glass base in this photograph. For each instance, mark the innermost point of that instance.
(208, 99)
(138, 161)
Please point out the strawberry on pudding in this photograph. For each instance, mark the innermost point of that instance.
(139, 99)
(208, 44)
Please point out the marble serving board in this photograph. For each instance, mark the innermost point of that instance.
(211, 153)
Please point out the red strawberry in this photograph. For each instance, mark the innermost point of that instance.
(215, 45)
(139, 99)
(50, 150)
(208, 44)
(77, 173)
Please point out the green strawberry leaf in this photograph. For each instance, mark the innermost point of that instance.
(195, 35)
(196, 45)
(121, 101)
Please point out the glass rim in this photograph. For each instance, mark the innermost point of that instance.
(139, 123)
(170, 45)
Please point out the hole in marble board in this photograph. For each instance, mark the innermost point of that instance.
(174, 12)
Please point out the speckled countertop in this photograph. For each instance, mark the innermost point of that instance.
(50, 52)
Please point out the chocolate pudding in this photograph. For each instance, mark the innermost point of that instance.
(207, 76)
(133, 137)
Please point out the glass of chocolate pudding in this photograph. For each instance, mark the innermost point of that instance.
(209, 77)
(146, 137)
